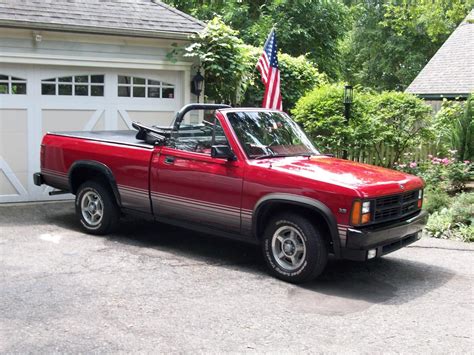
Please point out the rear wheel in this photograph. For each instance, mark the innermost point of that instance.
(96, 208)
(294, 248)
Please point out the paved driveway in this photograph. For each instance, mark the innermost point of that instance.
(153, 288)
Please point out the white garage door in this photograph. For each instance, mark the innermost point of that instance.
(35, 100)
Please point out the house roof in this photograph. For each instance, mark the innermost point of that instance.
(143, 18)
(450, 72)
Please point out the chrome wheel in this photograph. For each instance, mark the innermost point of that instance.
(92, 208)
(288, 248)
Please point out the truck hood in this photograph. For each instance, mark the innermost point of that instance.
(368, 180)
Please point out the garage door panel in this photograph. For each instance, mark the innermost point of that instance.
(6, 186)
(150, 118)
(14, 147)
(65, 120)
(12, 120)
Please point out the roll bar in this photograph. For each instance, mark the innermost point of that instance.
(180, 114)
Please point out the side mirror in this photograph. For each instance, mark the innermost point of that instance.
(223, 152)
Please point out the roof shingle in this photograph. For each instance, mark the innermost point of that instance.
(128, 17)
(451, 70)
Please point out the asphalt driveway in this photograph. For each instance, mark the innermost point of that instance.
(156, 288)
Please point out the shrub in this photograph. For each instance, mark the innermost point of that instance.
(439, 224)
(463, 208)
(298, 76)
(435, 200)
(321, 112)
(446, 174)
(401, 122)
(222, 56)
(456, 221)
(454, 128)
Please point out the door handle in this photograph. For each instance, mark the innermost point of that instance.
(169, 160)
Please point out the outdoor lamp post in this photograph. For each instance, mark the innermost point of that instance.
(197, 84)
(348, 96)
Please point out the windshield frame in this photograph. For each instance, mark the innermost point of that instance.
(295, 126)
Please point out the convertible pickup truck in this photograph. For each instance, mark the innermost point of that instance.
(245, 173)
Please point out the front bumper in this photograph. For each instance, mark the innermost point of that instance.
(384, 239)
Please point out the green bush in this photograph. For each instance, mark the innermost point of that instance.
(298, 76)
(456, 221)
(222, 56)
(321, 112)
(463, 208)
(443, 174)
(401, 122)
(454, 128)
(435, 199)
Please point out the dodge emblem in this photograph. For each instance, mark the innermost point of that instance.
(402, 186)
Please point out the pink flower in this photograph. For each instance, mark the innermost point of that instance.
(413, 165)
(466, 162)
(446, 161)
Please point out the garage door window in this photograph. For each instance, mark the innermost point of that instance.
(11, 85)
(131, 86)
(77, 85)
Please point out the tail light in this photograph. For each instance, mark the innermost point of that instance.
(42, 154)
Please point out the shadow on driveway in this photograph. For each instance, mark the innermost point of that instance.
(344, 287)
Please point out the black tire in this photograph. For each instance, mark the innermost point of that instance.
(306, 265)
(90, 220)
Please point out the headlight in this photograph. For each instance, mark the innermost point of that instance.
(366, 207)
(361, 212)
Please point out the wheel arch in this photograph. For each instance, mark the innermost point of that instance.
(83, 170)
(305, 205)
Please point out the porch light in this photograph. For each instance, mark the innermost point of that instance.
(348, 94)
(197, 84)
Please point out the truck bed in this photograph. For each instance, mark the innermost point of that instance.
(125, 137)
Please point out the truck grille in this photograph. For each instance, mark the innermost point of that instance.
(395, 206)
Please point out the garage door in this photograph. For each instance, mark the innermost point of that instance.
(35, 100)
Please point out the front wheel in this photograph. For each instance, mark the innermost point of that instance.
(96, 208)
(294, 248)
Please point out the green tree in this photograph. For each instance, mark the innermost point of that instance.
(304, 27)
(391, 41)
(223, 58)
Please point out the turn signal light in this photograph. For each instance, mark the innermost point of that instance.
(355, 215)
(420, 198)
(361, 212)
(365, 218)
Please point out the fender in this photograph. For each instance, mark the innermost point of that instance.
(98, 167)
(303, 201)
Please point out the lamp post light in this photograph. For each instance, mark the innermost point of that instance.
(197, 84)
(348, 96)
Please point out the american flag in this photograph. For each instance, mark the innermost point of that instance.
(268, 67)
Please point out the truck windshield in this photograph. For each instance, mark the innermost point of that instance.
(265, 134)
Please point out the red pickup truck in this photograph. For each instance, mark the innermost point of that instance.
(245, 173)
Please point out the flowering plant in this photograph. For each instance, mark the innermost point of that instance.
(446, 173)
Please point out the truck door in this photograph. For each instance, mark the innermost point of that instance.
(188, 184)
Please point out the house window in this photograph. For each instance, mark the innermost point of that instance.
(77, 85)
(11, 85)
(131, 86)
